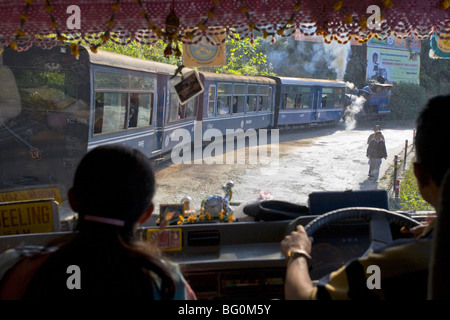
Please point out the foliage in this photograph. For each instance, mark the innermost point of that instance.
(245, 57)
(406, 101)
(148, 52)
(410, 197)
(434, 73)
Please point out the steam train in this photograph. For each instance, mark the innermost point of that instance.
(57, 107)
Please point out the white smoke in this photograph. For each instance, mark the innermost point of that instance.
(355, 107)
(316, 56)
(337, 55)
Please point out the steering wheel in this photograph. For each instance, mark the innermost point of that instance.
(379, 222)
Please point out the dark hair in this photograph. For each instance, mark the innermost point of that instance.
(113, 182)
(432, 137)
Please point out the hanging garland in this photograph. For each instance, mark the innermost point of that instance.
(349, 26)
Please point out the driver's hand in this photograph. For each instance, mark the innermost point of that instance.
(297, 240)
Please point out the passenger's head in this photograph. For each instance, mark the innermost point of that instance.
(431, 142)
(114, 182)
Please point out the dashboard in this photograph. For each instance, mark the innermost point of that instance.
(248, 269)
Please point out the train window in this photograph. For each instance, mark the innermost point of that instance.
(45, 90)
(252, 98)
(110, 111)
(179, 111)
(289, 97)
(265, 93)
(305, 94)
(212, 101)
(142, 82)
(224, 93)
(108, 80)
(295, 97)
(141, 110)
(332, 97)
(238, 98)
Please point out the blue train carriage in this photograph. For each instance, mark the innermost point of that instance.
(60, 107)
(44, 125)
(304, 102)
(378, 102)
(132, 103)
(180, 119)
(237, 102)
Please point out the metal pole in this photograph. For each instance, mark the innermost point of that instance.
(397, 189)
(406, 154)
(395, 168)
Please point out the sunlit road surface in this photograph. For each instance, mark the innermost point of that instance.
(315, 159)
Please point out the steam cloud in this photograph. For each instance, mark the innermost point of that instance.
(337, 56)
(356, 105)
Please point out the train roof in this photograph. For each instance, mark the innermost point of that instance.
(237, 78)
(317, 82)
(111, 59)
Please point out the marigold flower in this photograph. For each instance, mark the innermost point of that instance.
(20, 33)
(110, 23)
(115, 7)
(189, 35)
(158, 32)
(54, 24)
(61, 38)
(445, 4)
(211, 14)
(75, 50)
(388, 3)
(337, 5)
(13, 45)
(201, 26)
(348, 19)
(363, 23)
(104, 37)
(245, 10)
(49, 9)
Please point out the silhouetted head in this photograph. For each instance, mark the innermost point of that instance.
(432, 137)
(114, 183)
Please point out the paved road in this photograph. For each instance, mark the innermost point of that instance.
(317, 159)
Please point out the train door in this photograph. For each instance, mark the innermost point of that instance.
(316, 105)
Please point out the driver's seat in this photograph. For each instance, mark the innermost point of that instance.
(439, 271)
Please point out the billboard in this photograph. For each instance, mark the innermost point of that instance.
(397, 60)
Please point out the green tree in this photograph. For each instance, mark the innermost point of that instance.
(244, 56)
(434, 73)
(148, 52)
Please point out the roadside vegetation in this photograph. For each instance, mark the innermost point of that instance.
(410, 198)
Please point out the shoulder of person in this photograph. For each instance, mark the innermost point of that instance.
(17, 266)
